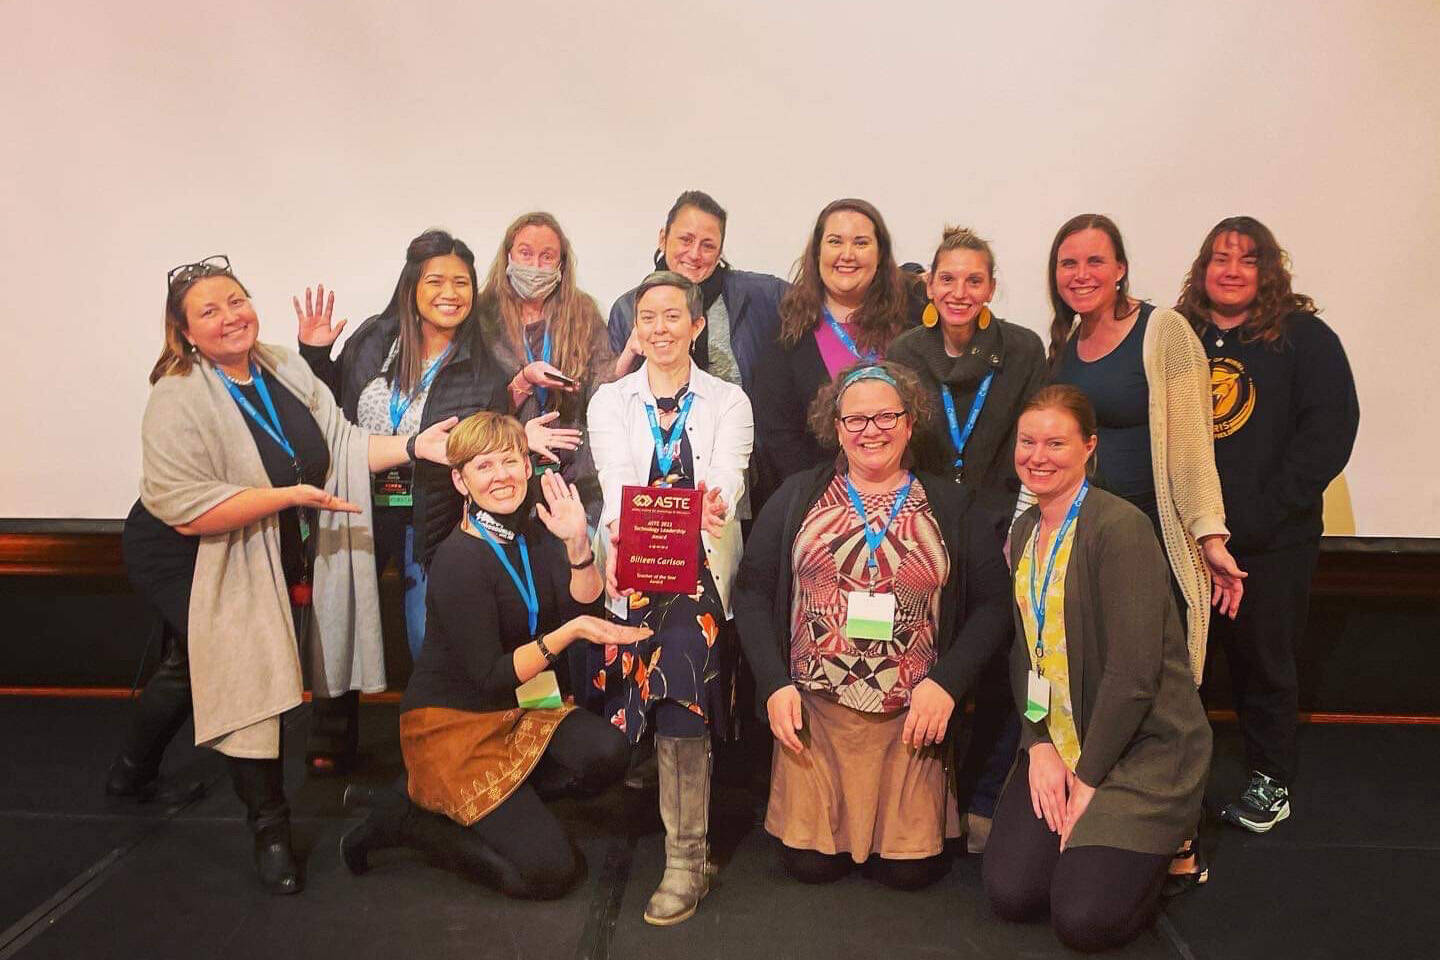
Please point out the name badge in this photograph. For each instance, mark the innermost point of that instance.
(392, 488)
(541, 692)
(1037, 697)
(869, 616)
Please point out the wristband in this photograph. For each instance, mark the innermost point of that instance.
(588, 561)
(545, 651)
(410, 447)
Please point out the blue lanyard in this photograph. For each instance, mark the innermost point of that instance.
(530, 596)
(957, 436)
(270, 425)
(665, 453)
(399, 404)
(1037, 605)
(873, 538)
(847, 340)
(540, 392)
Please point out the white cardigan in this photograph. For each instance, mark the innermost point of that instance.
(721, 429)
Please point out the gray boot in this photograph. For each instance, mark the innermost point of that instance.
(685, 808)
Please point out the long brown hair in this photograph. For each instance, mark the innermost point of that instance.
(882, 315)
(409, 365)
(177, 355)
(1062, 317)
(572, 312)
(1274, 299)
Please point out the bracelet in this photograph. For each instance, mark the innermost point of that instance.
(410, 447)
(588, 561)
(545, 651)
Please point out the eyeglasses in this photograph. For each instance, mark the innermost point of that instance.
(885, 420)
(216, 266)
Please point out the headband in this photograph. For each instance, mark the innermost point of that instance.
(871, 372)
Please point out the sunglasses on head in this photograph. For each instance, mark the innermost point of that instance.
(216, 266)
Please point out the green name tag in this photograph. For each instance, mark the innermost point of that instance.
(869, 616)
(540, 692)
(1037, 697)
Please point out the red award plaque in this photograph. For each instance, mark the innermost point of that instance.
(659, 540)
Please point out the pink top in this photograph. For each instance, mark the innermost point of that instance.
(836, 355)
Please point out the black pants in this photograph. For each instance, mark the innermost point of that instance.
(521, 847)
(164, 704)
(993, 734)
(1097, 897)
(812, 866)
(1260, 645)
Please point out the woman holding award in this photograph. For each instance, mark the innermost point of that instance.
(671, 424)
(509, 592)
(869, 600)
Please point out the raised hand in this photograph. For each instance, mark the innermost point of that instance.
(316, 329)
(313, 497)
(545, 439)
(562, 512)
(430, 442)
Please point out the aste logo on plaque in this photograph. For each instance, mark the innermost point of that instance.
(659, 540)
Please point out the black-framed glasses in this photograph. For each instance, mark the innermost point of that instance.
(213, 266)
(885, 420)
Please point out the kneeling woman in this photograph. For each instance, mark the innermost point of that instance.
(869, 599)
(1115, 744)
(507, 595)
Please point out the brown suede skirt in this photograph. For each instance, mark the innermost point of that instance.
(465, 764)
(857, 788)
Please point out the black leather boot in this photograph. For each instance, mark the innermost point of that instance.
(382, 828)
(160, 711)
(260, 784)
(334, 745)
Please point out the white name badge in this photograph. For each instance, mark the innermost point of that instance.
(869, 616)
(540, 692)
(1037, 697)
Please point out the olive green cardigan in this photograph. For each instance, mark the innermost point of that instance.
(1144, 737)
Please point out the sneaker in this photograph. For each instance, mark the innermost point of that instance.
(1263, 804)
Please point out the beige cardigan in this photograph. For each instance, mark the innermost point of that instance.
(245, 663)
(1182, 453)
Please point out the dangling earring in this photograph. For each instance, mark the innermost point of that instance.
(931, 316)
(984, 321)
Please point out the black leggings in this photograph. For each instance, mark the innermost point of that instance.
(519, 846)
(1097, 897)
(812, 866)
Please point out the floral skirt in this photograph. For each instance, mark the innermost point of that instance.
(686, 660)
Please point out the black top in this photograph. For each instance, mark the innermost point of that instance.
(786, 381)
(469, 381)
(1118, 390)
(310, 465)
(682, 468)
(156, 554)
(1017, 358)
(975, 603)
(1285, 422)
(474, 619)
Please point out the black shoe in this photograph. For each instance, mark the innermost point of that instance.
(1263, 804)
(128, 781)
(1199, 875)
(275, 861)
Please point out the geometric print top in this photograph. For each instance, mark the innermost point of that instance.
(829, 560)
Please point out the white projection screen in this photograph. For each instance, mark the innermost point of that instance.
(310, 141)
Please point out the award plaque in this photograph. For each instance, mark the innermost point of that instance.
(659, 540)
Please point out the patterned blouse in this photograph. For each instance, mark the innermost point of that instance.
(829, 561)
(1055, 665)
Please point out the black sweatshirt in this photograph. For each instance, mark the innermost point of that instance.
(474, 619)
(1285, 422)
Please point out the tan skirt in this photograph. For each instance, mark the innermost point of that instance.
(856, 788)
(465, 764)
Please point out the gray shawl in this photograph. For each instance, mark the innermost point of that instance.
(245, 661)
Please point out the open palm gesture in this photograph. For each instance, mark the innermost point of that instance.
(316, 328)
(562, 512)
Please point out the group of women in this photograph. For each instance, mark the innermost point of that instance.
(895, 515)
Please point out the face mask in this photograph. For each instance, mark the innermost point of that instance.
(532, 283)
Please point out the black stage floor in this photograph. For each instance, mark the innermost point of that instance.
(1351, 874)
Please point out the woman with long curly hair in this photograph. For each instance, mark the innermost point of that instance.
(1285, 416)
(548, 336)
(847, 301)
